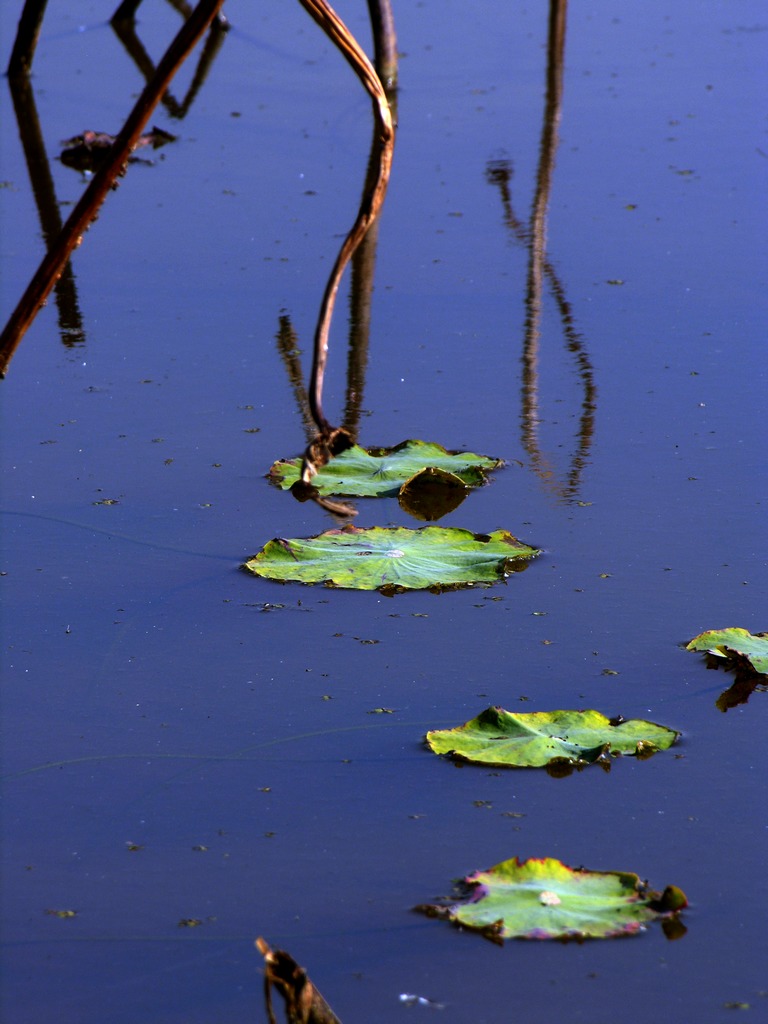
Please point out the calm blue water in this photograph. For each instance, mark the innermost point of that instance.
(156, 697)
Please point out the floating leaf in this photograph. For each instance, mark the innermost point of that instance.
(377, 472)
(735, 644)
(394, 559)
(534, 740)
(542, 898)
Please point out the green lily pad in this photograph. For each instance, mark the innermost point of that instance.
(738, 646)
(379, 472)
(542, 898)
(394, 559)
(534, 740)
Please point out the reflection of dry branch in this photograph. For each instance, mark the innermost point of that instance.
(30, 23)
(128, 8)
(360, 299)
(104, 179)
(360, 296)
(41, 179)
(303, 1003)
(384, 42)
(533, 236)
(288, 346)
(538, 229)
(124, 28)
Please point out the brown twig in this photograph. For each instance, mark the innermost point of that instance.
(303, 1002)
(103, 180)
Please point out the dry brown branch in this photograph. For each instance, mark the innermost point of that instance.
(371, 202)
(303, 1002)
(84, 213)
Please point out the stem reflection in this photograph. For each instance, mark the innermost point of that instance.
(540, 270)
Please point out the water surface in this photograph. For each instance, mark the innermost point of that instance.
(182, 741)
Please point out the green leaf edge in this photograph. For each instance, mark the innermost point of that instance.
(590, 755)
(505, 565)
(711, 642)
(665, 905)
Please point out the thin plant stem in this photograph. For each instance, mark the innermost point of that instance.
(371, 202)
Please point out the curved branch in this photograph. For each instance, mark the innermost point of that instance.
(371, 202)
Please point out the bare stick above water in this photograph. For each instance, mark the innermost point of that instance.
(303, 1003)
(371, 202)
(104, 179)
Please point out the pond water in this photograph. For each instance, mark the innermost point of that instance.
(184, 742)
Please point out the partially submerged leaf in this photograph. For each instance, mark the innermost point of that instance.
(432, 493)
(737, 645)
(394, 559)
(542, 898)
(503, 738)
(377, 472)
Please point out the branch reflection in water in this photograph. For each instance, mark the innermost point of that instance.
(44, 191)
(124, 26)
(534, 237)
